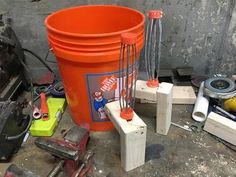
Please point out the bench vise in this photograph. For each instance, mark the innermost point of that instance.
(73, 159)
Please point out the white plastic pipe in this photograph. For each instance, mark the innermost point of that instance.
(201, 106)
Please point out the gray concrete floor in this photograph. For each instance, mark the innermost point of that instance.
(180, 153)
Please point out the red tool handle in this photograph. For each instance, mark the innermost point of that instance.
(44, 106)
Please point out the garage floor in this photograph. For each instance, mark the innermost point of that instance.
(180, 153)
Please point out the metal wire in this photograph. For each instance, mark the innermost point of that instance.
(159, 48)
(127, 80)
(123, 74)
(153, 48)
(146, 49)
(127, 72)
(119, 74)
(132, 74)
(136, 66)
(149, 49)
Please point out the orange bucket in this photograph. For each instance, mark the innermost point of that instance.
(86, 43)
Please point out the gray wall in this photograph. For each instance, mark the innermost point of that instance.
(198, 33)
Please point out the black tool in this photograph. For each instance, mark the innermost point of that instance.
(12, 122)
(12, 73)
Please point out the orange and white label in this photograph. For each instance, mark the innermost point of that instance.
(108, 83)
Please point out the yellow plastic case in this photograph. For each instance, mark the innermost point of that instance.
(56, 107)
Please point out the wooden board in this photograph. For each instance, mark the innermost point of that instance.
(221, 127)
(132, 137)
(145, 92)
(181, 94)
(164, 108)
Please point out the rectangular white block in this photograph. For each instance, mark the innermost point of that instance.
(164, 108)
(181, 94)
(221, 127)
(145, 92)
(132, 137)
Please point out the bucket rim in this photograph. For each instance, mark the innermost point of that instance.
(92, 35)
(90, 44)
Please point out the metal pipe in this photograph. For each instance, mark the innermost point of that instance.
(231, 116)
(56, 170)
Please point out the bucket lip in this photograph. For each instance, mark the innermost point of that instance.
(92, 44)
(93, 35)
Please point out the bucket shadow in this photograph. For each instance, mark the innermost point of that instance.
(153, 152)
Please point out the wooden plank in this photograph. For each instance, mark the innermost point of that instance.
(132, 137)
(164, 108)
(145, 92)
(181, 94)
(221, 127)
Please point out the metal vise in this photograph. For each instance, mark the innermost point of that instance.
(71, 152)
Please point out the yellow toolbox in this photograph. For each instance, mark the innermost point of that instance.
(40, 127)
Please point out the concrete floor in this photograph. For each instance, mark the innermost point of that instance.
(180, 153)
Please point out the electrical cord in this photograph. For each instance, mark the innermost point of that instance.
(46, 57)
(56, 90)
(40, 59)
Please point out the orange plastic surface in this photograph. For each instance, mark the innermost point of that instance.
(155, 14)
(44, 106)
(127, 115)
(152, 83)
(128, 38)
(85, 40)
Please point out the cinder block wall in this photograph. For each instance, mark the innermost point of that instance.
(198, 33)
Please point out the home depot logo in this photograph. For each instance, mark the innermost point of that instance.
(108, 83)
